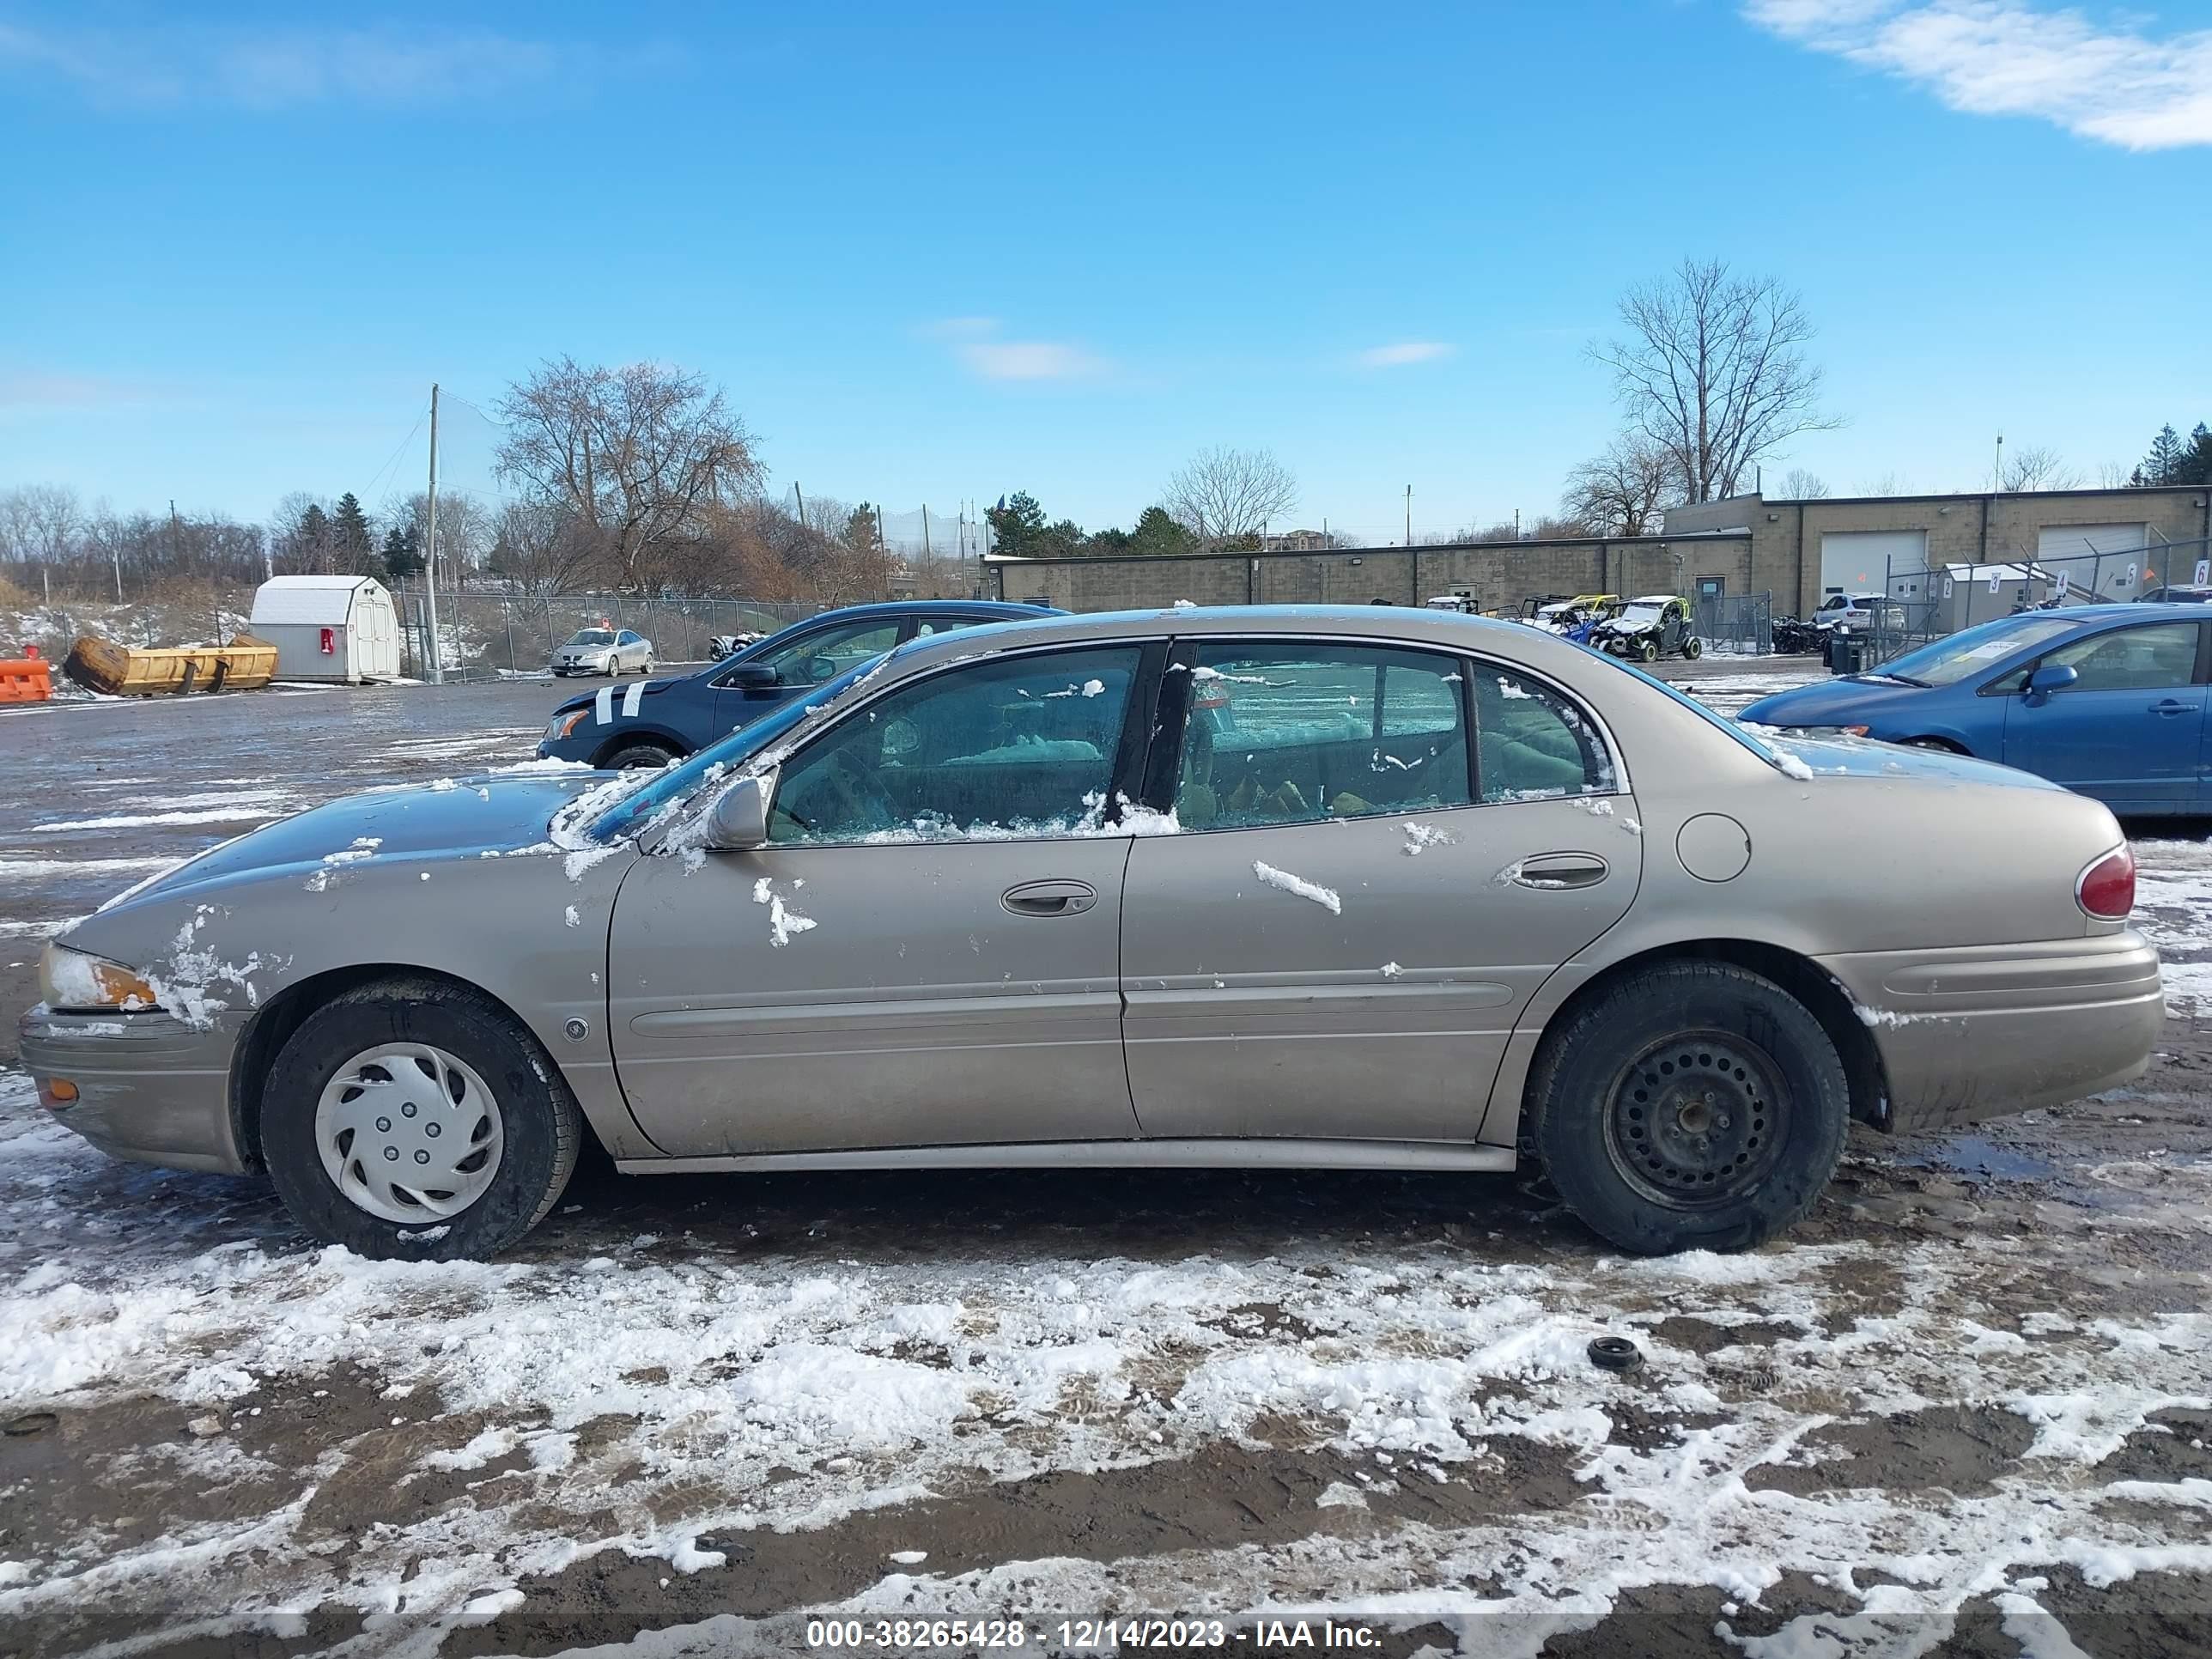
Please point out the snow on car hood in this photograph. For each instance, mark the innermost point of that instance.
(464, 815)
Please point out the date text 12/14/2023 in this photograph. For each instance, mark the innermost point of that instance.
(913, 1635)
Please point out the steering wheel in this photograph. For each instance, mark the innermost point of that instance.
(840, 795)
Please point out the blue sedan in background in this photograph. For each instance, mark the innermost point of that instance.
(653, 722)
(2108, 699)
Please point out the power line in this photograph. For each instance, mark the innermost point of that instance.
(397, 452)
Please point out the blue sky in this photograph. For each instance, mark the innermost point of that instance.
(936, 253)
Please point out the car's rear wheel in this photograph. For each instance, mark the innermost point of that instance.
(1694, 1105)
(1693, 647)
(1649, 651)
(410, 1119)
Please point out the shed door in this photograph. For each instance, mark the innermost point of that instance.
(2096, 557)
(1859, 560)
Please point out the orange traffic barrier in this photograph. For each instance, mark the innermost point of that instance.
(26, 679)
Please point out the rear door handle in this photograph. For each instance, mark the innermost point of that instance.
(1550, 871)
(1049, 898)
(2172, 705)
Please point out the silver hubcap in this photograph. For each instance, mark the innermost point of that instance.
(409, 1132)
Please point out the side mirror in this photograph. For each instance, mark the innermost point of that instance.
(737, 821)
(750, 675)
(2052, 677)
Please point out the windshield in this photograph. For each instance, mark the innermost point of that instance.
(1641, 612)
(592, 636)
(1718, 722)
(1946, 662)
(634, 811)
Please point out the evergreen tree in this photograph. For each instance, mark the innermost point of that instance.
(1016, 525)
(2164, 463)
(314, 540)
(349, 534)
(403, 553)
(1158, 531)
(2196, 460)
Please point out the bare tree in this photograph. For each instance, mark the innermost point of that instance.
(467, 530)
(636, 453)
(1711, 372)
(38, 522)
(2113, 474)
(537, 546)
(1799, 485)
(2037, 466)
(1622, 492)
(1222, 493)
(1890, 484)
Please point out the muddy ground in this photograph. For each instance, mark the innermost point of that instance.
(1966, 1409)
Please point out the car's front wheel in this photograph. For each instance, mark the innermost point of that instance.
(410, 1119)
(631, 755)
(1694, 1105)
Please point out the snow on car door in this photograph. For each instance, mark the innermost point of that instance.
(1341, 939)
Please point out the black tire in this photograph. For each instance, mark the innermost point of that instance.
(1725, 1160)
(637, 754)
(1693, 647)
(541, 1128)
(1649, 651)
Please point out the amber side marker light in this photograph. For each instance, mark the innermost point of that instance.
(56, 1093)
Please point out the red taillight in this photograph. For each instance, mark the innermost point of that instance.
(2106, 889)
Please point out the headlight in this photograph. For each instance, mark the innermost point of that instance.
(74, 980)
(563, 724)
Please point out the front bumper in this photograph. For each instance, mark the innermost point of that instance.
(1967, 1034)
(149, 1087)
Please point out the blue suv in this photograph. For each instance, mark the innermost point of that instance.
(653, 722)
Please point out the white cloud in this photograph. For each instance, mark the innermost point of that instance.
(285, 68)
(2109, 83)
(1406, 351)
(1028, 360)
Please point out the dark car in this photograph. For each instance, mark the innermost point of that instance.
(654, 722)
(2108, 699)
(2180, 593)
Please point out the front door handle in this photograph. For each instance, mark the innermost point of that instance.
(1049, 898)
(1550, 871)
(2171, 706)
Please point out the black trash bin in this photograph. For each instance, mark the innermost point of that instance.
(1847, 653)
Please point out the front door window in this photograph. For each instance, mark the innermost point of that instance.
(1009, 746)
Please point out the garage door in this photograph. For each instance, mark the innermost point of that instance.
(1858, 561)
(2096, 555)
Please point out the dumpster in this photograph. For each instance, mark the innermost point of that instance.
(1847, 653)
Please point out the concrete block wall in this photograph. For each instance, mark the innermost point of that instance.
(1502, 574)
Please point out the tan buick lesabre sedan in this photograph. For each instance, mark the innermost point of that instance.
(1337, 888)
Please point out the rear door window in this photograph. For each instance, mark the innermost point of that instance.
(1292, 732)
(1534, 744)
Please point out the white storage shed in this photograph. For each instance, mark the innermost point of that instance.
(329, 627)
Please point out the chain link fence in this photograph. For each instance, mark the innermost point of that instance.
(1929, 602)
(1733, 624)
(488, 635)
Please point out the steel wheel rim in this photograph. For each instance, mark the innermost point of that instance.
(1697, 1119)
(409, 1132)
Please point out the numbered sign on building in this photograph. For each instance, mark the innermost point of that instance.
(2204, 573)
(1996, 581)
(2128, 581)
(1947, 587)
(2064, 576)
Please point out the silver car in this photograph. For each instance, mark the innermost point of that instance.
(1342, 888)
(609, 651)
